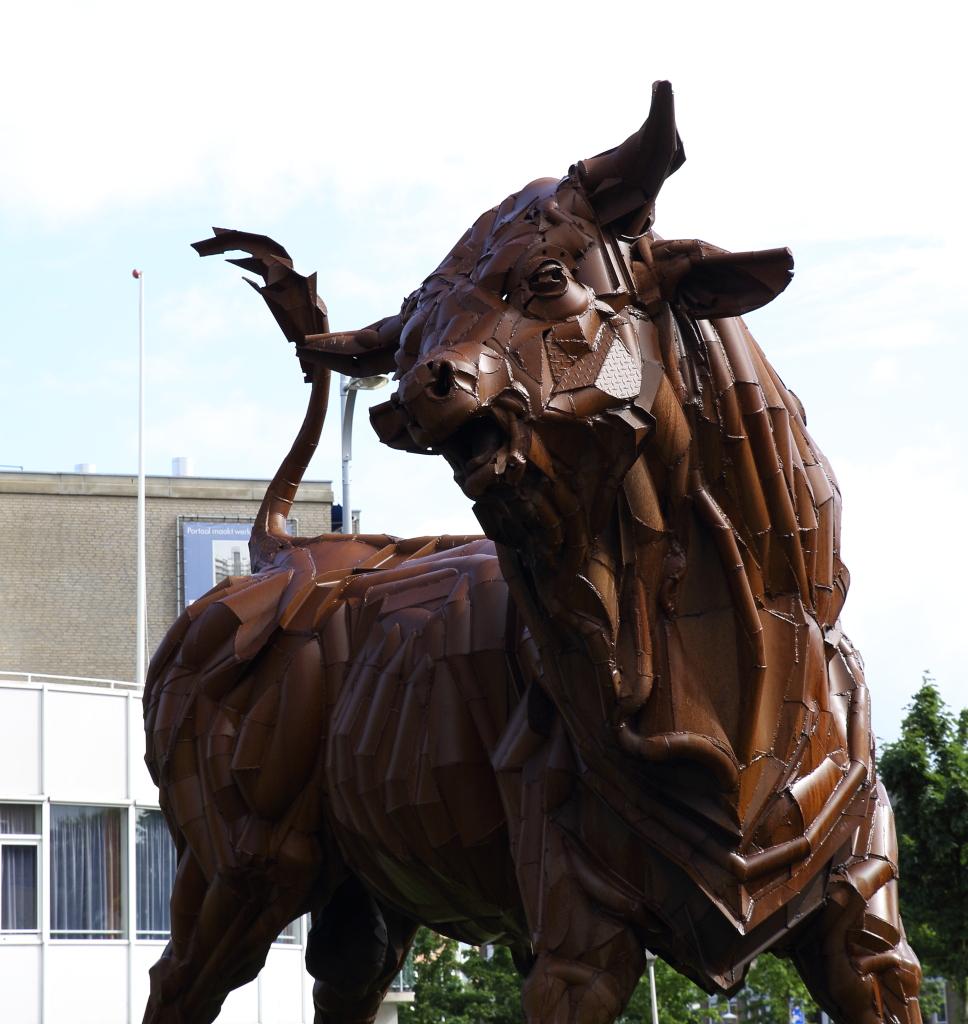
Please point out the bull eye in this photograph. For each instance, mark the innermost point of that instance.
(549, 280)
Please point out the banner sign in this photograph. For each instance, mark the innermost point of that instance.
(211, 551)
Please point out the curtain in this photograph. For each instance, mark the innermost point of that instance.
(18, 868)
(19, 819)
(85, 872)
(155, 855)
(18, 888)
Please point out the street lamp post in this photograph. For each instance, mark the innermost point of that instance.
(348, 387)
(650, 960)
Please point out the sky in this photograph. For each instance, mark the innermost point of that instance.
(366, 140)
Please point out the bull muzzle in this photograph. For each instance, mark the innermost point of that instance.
(440, 394)
(471, 412)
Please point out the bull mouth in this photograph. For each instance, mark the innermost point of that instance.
(489, 449)
(516, 501)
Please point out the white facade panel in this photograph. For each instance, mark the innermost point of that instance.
(87, 738)
(282, 982)
(20, 982)
(144, 955)
(20, 750)
(87, 983)
(83, 745)
(242, 1005)
(145, 792)
(142, 788)
(387, 1014)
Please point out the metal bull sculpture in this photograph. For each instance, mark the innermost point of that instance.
(627, 719)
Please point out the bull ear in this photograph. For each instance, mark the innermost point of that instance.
(622, 183)
(711, 283)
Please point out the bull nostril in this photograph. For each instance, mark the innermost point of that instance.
(443, 374)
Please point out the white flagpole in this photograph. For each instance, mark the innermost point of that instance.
(141, 609)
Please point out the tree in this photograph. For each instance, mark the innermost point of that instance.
(680, 1000)
(451, 986)
(496, 984)
(440, 992)
(482, 986)
(771, 985)
(926, 774)
(765, 999)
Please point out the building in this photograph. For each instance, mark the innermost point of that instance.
(67, 560)
(86, 862)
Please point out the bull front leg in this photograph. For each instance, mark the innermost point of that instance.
(587, 956)
(576, 984)
(854, 956)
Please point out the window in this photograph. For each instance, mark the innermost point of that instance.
(86, 870)
(407, 977)
(19, 864)
(155, 867)
(290, 934)
(154, 874)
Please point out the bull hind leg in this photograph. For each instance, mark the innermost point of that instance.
(356, 948)
(854, 956)
(220, 937)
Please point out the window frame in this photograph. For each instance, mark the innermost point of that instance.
(34, 840)
(145, 934)
(42, 841)
(293, 941)
(91, 936)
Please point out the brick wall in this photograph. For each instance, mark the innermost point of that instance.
(67, 562)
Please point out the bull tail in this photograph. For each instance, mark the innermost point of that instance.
(269, 534)
(299, 311)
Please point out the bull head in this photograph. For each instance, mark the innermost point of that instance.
(531, 358)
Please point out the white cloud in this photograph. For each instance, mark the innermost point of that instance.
(116, 104)
(367, 140)
(903, 543)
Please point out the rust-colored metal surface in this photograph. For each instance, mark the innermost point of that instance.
(628, 718)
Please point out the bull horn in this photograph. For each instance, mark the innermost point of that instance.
(362, 353)
(622, 183)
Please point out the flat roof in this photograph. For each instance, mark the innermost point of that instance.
(123, 485)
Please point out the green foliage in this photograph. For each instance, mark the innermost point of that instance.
(476, 987)
(765, 999)
(439, 989)
(926, 774)
(680, 1001)
(496, 983)
(482, 986)
(770, 986)
(932, 997)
